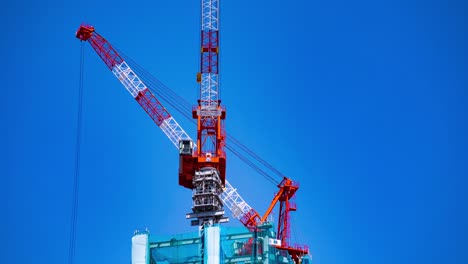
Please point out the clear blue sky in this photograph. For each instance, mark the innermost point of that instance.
(362, 102)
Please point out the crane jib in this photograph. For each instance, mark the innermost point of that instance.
(133, 84)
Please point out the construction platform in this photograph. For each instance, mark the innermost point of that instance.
(236, 245)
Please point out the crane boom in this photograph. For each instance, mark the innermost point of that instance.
(239, 208)
(133, 84)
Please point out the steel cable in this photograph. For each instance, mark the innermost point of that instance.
(76, 177)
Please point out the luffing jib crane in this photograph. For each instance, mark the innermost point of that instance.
(202, 165)
(206, 183)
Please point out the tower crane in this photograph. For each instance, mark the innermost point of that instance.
(205, 182)
(202, 165)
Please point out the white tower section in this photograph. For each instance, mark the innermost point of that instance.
(209, 80)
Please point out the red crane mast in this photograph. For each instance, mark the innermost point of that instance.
(204, 170)
(209, 113)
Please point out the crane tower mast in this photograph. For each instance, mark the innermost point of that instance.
(204, 169)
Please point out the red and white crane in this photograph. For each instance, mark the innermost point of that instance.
(206, 192)
(202, 165)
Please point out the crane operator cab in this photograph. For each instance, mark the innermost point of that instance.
(186, 147)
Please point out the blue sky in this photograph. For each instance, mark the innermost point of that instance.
(362, 102)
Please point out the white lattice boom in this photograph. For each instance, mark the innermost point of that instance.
(174, 131)
(129, 79)
(234, 202)
(135, 86)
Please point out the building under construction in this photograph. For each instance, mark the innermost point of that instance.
(236, 245)
(202, 168)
